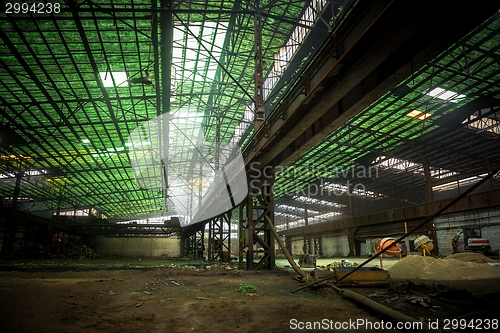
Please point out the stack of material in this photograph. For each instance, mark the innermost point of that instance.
(428, 268)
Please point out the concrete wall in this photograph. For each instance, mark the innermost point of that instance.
(449, 225)
(297, 247)
(446, 227)
(335, 245)
(138, 247)
(331, 245)
(367, 248)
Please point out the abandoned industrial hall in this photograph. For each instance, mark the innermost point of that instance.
(249, 166)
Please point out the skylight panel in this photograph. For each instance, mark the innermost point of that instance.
(315, 219)
(446, 95)
(196, 58)
(416, 114)
(401, 165)
(119, 78)
(317, 201)
(295, 208)
(339, 189)
(458, 183)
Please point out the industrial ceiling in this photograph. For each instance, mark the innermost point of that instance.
(74, 86)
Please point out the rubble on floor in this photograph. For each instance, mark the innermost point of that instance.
(344, 263)
(82, 252)
(108, 263)
(429, 268)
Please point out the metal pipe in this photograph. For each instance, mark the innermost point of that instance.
(383, 310)
(305, 275)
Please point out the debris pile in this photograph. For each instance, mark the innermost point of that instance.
(429, 268)
(82, 252)
(307, 260)
(344, 263)
(199, 267)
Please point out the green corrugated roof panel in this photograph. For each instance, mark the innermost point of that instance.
(52, 95)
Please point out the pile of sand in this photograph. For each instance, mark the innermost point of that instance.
(470, 256)
(428, 268)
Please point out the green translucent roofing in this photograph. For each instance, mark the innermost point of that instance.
(53, 98)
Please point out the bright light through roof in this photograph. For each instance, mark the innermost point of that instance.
(120, 79)
(446, 95)
(198, 65)
(415, 114)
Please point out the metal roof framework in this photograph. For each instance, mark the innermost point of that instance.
(72, 90)
(69, 134)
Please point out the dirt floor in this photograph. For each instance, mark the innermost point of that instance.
(185, 296)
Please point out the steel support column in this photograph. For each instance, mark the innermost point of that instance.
(288, 244)
(184, 240)
(17, 190)
(10, 223)
(317, 245)
(306, 246)
(219, 238)
(199, 244)
(258, 240)
(192, 241)
(258, 76)
(242, 234)
(430, 198)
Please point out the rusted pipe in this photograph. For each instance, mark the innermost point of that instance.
(305, 275)
(383, 310)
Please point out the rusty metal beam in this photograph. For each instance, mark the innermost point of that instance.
(485, 199)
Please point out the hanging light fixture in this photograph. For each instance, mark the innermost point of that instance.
(146, 80)
(143, 80)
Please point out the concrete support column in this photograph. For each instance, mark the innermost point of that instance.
(351, 236)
